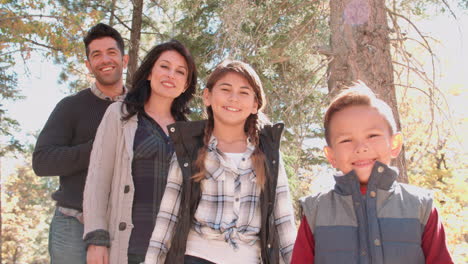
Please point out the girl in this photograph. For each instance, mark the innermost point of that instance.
(227, 198)
(131, 154)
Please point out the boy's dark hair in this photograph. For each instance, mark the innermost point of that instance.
(102, 30)
(358, 95)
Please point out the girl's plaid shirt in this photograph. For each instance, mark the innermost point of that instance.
(229, 208)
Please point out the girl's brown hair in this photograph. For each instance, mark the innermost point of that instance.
(253, 124)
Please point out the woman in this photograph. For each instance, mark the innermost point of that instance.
(131, 154)
(227, 197)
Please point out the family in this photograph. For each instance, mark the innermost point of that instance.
(140, 183)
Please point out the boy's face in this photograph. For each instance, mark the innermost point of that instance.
(359, 136)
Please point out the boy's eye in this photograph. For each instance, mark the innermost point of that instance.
(345, 141)
(373, 135)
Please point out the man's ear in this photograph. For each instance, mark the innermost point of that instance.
(206, 97)
(397, 144)
(88, 65)
(125, 61)
(330, 155)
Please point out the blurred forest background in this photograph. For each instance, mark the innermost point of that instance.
(304, 51)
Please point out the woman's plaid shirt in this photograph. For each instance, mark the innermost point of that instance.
(229, 208)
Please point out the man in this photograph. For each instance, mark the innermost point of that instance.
(64, 144)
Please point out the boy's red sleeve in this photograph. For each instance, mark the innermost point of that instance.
(304, 248)
(433, 241)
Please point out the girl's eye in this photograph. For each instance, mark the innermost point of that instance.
(373, 135)
(181, 72)
(245, 93)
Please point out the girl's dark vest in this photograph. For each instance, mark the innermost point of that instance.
(188, 139)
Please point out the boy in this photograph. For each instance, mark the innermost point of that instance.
(368, 217)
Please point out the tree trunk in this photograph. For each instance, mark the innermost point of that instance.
(112, 13)
(360, 49)
(134, 40)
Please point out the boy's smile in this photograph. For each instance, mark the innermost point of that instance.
(359, 136)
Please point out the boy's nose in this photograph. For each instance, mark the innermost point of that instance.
(362, 148)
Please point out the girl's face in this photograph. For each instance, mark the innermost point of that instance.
(168, 76)
(232, 100)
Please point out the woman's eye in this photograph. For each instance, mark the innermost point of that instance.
(165, 66)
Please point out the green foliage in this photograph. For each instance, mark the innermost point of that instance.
(26, 212)
(37, 26)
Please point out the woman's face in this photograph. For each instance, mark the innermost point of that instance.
(232, 100)
(169, 75)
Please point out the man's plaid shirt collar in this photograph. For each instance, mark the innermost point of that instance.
(95, 90)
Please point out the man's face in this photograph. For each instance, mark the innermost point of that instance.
(359, 136)
(105, 61)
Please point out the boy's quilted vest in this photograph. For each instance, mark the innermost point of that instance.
(384, 226)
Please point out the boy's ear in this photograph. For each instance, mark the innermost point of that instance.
(330, 156)
(397, 144)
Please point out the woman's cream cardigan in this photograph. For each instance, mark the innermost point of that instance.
(108, 194)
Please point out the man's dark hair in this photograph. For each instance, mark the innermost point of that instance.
(102, 30)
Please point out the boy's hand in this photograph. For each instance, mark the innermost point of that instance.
(97, 255)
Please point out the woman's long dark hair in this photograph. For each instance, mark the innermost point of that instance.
(140, 91)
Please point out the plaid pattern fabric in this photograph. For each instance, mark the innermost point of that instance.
(102, 96)
(229, 208)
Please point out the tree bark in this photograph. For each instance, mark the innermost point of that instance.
(112, 13)
(134, 40)
(361, 51)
